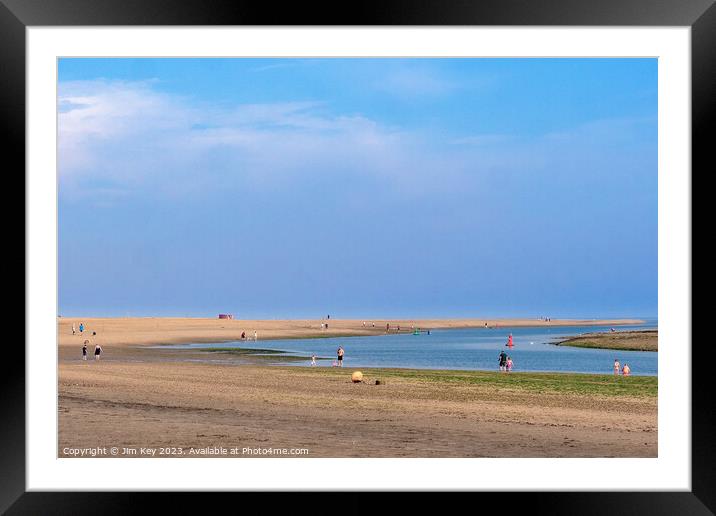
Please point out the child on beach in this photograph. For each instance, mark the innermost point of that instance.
(97, 351)
(84, 350)
(626, 370)
(340, 356)
(313, 359)
(616, 367)
(509, 364)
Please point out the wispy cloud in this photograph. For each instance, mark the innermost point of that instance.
(117, 137)
(127, 135)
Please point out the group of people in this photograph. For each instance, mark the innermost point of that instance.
(505, 362)
(625, 369)
(339, 358)
(85, 344)
(243, 335)
(97, 350)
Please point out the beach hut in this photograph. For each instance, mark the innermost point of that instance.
(226, 316)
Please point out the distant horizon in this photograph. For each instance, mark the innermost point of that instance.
(238, 316)
(356, 185)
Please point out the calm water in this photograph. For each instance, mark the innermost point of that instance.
(465, 349)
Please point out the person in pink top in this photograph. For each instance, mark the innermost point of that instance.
(617, 365)
(509, 364)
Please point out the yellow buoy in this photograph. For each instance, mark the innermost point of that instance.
(357, 377)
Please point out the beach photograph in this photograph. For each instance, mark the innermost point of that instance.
(357, 258)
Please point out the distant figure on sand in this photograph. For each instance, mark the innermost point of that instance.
(617, 365)
(626, 370)
(509, 364)
(73, 329)
(340, 356)
(97, 351)
(256, 335)
(243, 335)
(503, 361)
(84, 350)
(82, 327)
(313, 359)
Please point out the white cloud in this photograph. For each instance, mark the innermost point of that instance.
(122, 135)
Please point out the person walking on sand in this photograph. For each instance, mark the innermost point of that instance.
(340, 356)
(82, 327)
(84, 350)
(617, 365)
(503, 361)
(508, 363)
(313, 359)
(97, 351)
(74, 331)
(256, 335)
(626, 370)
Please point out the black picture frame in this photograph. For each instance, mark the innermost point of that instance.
(17, 15)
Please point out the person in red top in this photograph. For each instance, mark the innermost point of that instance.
(626, 370)
(509, 341)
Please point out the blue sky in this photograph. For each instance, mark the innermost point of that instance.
(358, 187)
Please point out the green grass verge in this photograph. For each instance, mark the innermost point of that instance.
(557, 383)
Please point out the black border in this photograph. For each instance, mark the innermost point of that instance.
(16, 15)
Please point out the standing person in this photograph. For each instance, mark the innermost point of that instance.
(626, 370)
(313, 359)
(84, 350)
(387, 327)
(509, 342)
(243, 335)
(617, 365)
(508, 363)
(73, 329)
(340, 356)
(503, 360)
(97, 351)
(256, 335)
(82, 327)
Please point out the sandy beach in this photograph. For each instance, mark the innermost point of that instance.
(142, 396)
(158, 330)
